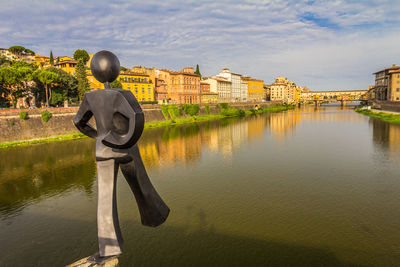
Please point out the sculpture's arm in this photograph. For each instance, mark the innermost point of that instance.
(128, 122)
(82, 118)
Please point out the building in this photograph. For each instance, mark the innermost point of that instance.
(27, 57)
(284, 90)
(221, 86)
(41, 61)
(161, 91)
(333, 95)
(267, 92)
(139, 84)
(239, 90)
(206, 95)
(67, 65)
(387, 84)
(183, 86)
(255, 89)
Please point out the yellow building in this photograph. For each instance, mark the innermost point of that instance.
(255, 89)
(138, 83)
(67, 65)
(41, 61)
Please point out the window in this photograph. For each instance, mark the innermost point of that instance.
(142, 90)
(397, 98)
(397, 89)
(136, 90)
(149, 91)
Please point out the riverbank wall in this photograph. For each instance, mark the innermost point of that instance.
(13, 129)
(386, 105)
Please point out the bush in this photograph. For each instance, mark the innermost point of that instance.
(207, 109)
(164, 110)
(253, 111)
(230, 112)
(46, 116)
(23, 115)
(192, 109)
(173, 111)
(242, 113)
(224, 105)
(11, 123)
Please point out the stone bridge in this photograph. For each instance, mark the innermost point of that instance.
(343, 97)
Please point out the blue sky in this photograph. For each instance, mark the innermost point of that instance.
(325, 45)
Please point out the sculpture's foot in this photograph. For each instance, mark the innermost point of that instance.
(96, 261)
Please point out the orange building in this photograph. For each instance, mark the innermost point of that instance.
(183, 86)
(161, 92)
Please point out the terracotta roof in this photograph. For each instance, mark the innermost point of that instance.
(66, 61)
(390, 68)
(133, 73)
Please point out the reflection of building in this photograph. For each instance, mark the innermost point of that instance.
(387, 84)
(386, 136)
(282, 124)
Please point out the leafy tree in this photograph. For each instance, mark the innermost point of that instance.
(10, 80)
(4, 61)
(198, 70)
(20, 50)
(66, 88)
(81, 54)
(116, 84)
(123, 68)
(51, 58)
(47, 78)
(58, 60)
(80, 75)
(17, 49)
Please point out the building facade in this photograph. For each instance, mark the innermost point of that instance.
(139, 84)
(206, 95)
(161, 91)
(284, 90)
(67, 65)
(183, 86)
(221, 86)
(387, 85)
(256, 91)
(239, 90)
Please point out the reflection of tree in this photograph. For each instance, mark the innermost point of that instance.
(40, 171)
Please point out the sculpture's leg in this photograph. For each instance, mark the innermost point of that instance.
(109, 233)
(153, 210)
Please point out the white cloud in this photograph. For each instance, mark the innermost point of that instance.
(321, 44)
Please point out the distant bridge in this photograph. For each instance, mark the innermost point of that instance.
(343, 97)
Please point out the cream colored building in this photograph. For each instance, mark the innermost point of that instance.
(284, 90)
(238, 89)
(221, 86)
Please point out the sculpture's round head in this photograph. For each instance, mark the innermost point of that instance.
(105, 66)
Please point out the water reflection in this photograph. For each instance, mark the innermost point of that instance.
(386, 137)
(30, 173)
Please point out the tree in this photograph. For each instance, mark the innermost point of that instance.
(17, 49)
(81, 54)
(10, 80)
(116, 84)
(47, 78)
(122, 68)
(65, 89)
(20, 50)
(51, 58)
(80, 75)
(198, 70)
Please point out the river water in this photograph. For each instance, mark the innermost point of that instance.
(306, 187)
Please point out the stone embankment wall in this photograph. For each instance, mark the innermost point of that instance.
(12, 128)
(387, 105)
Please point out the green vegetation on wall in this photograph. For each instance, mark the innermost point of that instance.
(46, 116)
(23, 115)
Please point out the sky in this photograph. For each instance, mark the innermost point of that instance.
(324, 45)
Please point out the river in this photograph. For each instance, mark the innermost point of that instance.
(305, 187)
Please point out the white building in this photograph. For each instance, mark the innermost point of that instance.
(236, 79)
(221, 86)
(244, 91)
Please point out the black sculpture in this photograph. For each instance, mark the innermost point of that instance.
(119, 125)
